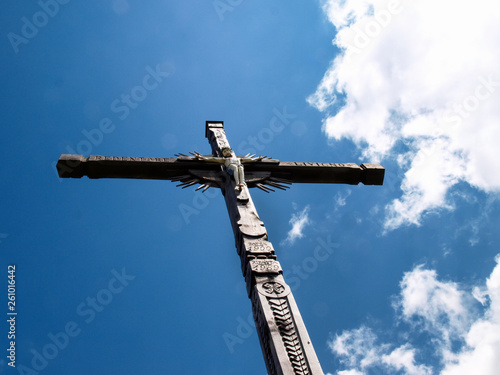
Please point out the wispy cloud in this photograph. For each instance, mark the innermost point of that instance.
(298, 221)
(464, 339)
(341, 199)
(419, 82)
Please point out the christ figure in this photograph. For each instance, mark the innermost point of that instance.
(233, 163)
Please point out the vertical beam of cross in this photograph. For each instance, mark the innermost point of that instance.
(285, 342)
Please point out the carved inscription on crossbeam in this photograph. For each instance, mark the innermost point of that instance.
(128, 158)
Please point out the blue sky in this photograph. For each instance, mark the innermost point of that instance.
(142, 277)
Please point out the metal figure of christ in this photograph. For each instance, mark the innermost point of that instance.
(284, 340)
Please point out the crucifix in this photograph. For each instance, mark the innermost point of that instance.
(284, 340)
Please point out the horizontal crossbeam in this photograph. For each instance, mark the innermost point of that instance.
(95, 166)
(328, 173)
(77, 166)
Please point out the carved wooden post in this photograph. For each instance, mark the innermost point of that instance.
(285, 342)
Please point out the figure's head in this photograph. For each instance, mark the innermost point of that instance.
(226, 151)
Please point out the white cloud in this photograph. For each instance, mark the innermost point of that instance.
(359, 350)
(482, 352)
(464, 340)
(403, 359)
(299, 221)
(440, 307)
(424, 74)
(356, 348)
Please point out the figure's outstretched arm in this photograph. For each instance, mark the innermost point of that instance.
(212, 159)
(250, 158)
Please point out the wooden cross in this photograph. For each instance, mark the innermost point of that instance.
(285, 343)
